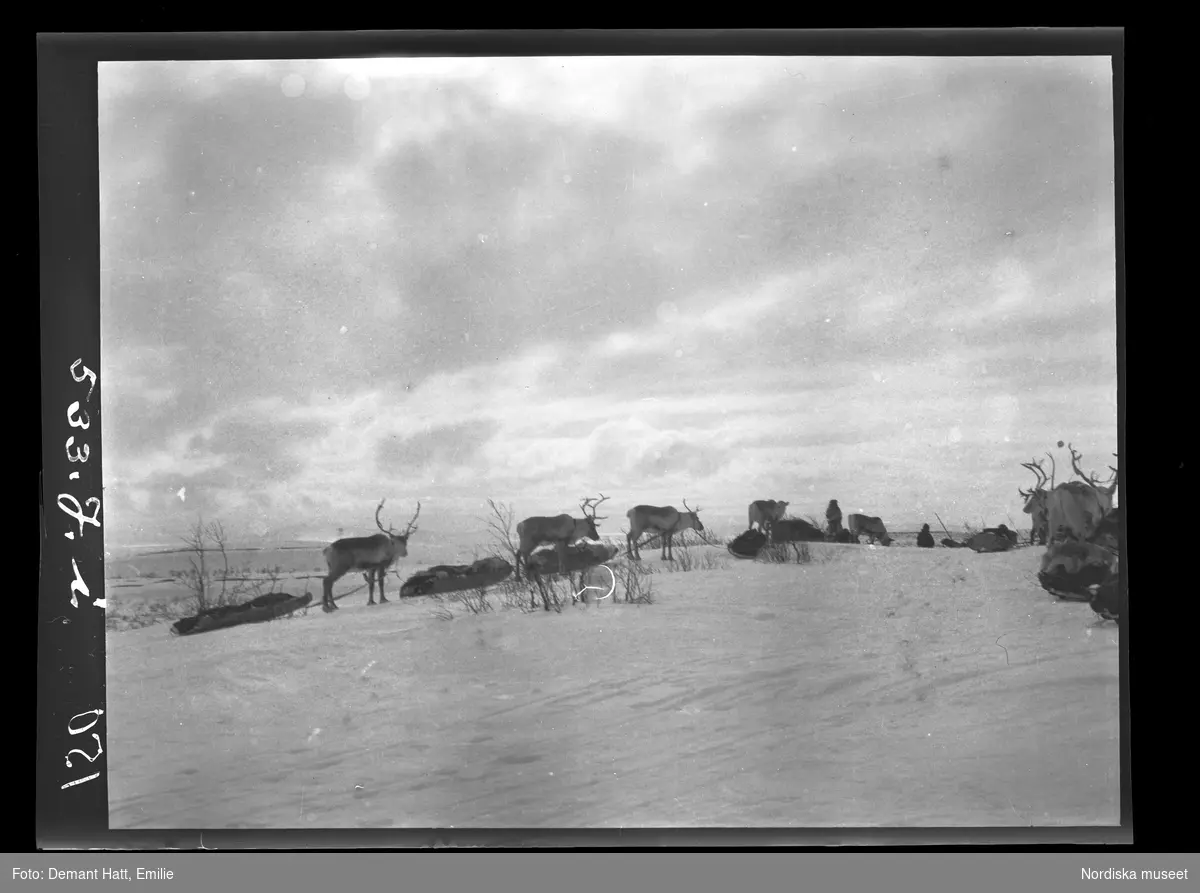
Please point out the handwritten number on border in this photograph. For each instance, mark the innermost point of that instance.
(79, 418)
(81, 455)
(74, 422)
(78, 587)
(88, 376)
(77, 512)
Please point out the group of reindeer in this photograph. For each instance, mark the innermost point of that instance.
(768, 516)
(374, 555)
(1081, 530)
(1076, 518)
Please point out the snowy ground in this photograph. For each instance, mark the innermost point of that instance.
(872, 687)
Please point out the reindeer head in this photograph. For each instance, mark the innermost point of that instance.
(589, 507)
(400, 539)
(1035, 499)
(695, 513)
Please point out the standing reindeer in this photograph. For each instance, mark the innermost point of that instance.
(372, 554)
(1036, 500)
(561, 530)
(1076, 508)
(665, 520)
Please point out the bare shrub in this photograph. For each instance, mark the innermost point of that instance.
(504, 541)
(633, 583)
(475, 602)
(554, 590)
(441, 612)
(693, 556)
(135, 614)
(514, 595)
(786, 553)
(208, 577)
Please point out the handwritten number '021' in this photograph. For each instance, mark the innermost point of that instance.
(99, 748)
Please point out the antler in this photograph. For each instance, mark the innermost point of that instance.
(689, 508)
(593, 505)
(1053, 468)
(1036, 467)
(378, 509)
(412, 525)
(1075, 457)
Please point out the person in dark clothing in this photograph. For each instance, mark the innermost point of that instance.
(925, 538)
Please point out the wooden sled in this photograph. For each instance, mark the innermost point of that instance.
(454, 578)
(1072, 570)
(263, 608)
(1077, 587)
(795, 530)
(748, 544)
(544, 562)
(990, 541)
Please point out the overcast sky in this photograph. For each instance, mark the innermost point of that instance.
(885, 281)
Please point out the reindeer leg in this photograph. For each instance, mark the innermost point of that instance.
(382, 574)
(328, 605)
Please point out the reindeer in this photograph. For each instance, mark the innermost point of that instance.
(561, 530)
(666, 520)
(1036, 500)
(765, 512)
(373, 554)
(1076, 508)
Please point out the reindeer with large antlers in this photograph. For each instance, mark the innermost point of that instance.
(1076, 508)
(664, 520)
(1035, 499)
(372, 554)
(561, 530)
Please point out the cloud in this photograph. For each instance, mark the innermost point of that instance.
(324, 281)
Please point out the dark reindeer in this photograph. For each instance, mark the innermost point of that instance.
(372, 554)
(560, 530)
